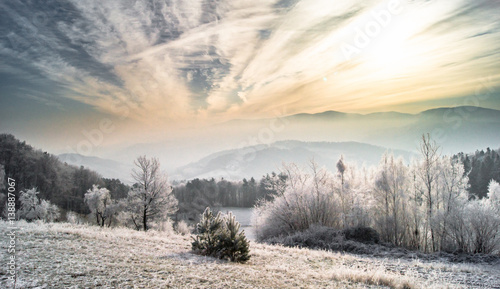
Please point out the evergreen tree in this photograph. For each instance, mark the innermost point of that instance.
(219, 236)
(233, 244)
(207, 242)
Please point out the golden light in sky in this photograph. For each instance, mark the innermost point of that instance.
(154, 67)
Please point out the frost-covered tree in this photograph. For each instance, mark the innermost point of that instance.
(391, 190)
(341, 167)
(452, 195)
(416, 209)
(49, 212)
(151, 197)
(342, 191)
(31, 208)
(494, 195)
(29, 205)
(484, 222)
(100, 204)
(484, 227)
(427, 175)
(233, 242)
(354, 196)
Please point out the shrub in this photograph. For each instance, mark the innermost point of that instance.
(219, 236)
(311, 198)
(362, 234)
(74, 218)
(183, 228)
(323, 238)
(163, 225)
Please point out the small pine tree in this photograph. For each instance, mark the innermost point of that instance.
(219, 236)
(233, 244)
(206, 241)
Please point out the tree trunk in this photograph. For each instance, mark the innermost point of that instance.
(145, 219)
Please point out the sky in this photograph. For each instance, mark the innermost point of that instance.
(121, 73)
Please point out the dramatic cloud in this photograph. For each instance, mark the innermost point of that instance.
(178, 61)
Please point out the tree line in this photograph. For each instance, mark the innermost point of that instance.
(66, 185)
(481, 167)
(197, 194)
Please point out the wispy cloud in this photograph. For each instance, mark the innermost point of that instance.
(180, 60)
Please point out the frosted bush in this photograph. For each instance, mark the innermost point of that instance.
(74, 218)
(309, 199)
(183, 228)
(164, 226)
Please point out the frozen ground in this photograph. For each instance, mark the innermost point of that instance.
(78, 256)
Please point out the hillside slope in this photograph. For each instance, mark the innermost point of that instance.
(64, 255)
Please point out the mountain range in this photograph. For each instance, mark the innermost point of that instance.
(246, 148)
(105, 167)
(456, 129)
(256, 161)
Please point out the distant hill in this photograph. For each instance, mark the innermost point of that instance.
(456, 129)
(255, 161)
(105, 167)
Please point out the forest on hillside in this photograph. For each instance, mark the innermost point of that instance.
(62, 184)
(480, 167)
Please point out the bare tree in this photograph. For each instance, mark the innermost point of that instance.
(391, 189)
(428, 175)
(151, 197)
(452, 187)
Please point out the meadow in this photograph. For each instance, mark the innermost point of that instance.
(62, 255)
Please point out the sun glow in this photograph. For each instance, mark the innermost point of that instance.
(392, 51)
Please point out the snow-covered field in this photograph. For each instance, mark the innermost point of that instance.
(79, 256)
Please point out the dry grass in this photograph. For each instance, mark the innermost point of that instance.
(78, 256)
